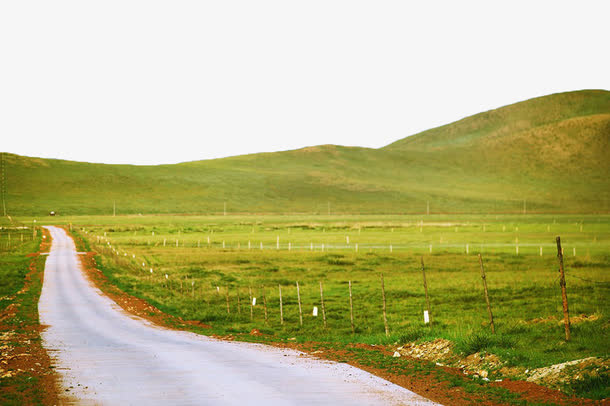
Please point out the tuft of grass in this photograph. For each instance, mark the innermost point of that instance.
(484, 341)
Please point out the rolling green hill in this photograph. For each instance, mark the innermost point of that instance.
(551, 152)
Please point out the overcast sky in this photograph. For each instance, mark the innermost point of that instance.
(150, 82)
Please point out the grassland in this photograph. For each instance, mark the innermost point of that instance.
(545, 155)
(26, 376)
(523, 287)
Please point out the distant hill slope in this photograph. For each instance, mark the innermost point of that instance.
(550, 151)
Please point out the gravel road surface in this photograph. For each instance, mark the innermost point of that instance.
(107, 357)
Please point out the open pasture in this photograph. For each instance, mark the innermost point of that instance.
(213, 263)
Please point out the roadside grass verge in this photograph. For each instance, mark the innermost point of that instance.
(26, 375)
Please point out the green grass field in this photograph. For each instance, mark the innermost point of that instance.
(523, 286)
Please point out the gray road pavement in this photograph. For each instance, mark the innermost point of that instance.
(106, 356)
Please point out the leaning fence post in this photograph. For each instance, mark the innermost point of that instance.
(351, 307)
(251, 304)
(281, 305)
(238, 301)
(264, 303)
(423, 271)
(491, 316)
(300, 308)
(322, 301)
(385, 319)
(564, 295)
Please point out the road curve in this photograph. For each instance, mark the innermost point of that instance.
(106, 356)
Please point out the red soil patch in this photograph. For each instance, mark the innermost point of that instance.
(540, 394)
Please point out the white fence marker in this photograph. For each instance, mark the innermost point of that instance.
(315, 311)
(253, 301)
(426, 317)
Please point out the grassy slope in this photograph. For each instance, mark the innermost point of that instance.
(549, 151)
(557, 142)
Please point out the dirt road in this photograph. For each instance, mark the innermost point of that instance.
(106, 356)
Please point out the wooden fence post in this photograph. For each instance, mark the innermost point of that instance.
(491, 316)
(564, 295)
(322, 301)
(300, 308)
(281, 305)
(265, 304)
(238, 301)
(423, 271)
(251, 305)
(385, 319)
(351, 307)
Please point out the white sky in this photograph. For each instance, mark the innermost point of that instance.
(149, 82)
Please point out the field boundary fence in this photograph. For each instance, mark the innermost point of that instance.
(227, 296)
